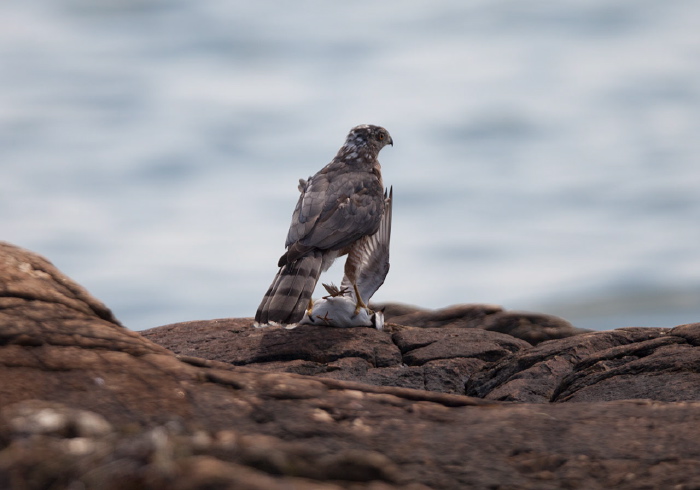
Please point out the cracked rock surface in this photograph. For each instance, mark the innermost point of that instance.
(427, 358)
(640, 363)
(86, 403)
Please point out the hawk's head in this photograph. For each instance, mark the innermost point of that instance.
(368, 136)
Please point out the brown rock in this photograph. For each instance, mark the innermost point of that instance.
(236, 342)
(653, 363)
(665, 368)
(160, 422)
(437, 359)
(531, 327)
(419, 346)
(35, 297)
(458, 316)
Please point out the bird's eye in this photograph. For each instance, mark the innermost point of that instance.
(381, 136)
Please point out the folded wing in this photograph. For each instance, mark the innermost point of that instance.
(368, 261)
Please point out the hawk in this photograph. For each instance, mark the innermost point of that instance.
(337, 208)
(366, 269)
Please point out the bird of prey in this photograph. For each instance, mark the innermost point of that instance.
(339, 206)
(366, 268)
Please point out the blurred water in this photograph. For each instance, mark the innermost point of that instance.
(545, 158)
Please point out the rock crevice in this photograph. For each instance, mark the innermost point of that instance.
(86, 403)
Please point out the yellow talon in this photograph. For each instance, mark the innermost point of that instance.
(359, 304)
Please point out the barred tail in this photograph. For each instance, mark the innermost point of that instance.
(290, 291)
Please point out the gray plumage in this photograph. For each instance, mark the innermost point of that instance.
(368, 261)
(338, 206)
(366, 267)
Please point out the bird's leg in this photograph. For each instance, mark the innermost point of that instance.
(334, 291)
(325, 319)
(310, 308)
(359, 303)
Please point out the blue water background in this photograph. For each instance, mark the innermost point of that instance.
(546, 158)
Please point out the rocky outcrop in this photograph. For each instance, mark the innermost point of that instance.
(639, 363)
(85, 403)
(423, 358)
(531, 327)
(653, 363)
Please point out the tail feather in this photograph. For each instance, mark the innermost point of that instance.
(288, 296)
